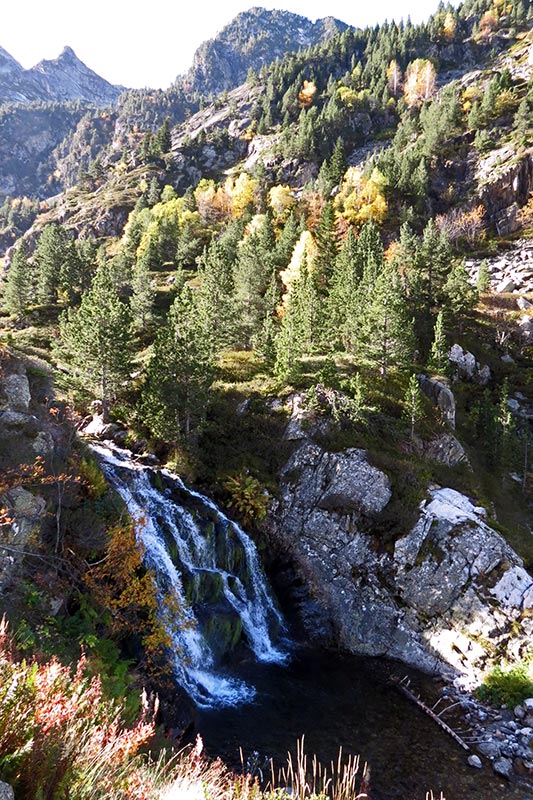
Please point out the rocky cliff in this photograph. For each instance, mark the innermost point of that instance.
(445, 597)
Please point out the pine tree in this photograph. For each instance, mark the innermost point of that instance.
(387, 337)
(460, 295)
(327, 247)
(438, 357)
(215, 302)
(52, 250)
(251, 276)
(95, 340)
(178, 375)
(343, 292)
(143, 294)
(153, 193)
(297, 332)
(163, 139)
(18, 289)
(414, 408)
(483, 278)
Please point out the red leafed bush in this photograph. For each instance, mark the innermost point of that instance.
(59, 737)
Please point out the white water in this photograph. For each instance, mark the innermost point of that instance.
(155, 514)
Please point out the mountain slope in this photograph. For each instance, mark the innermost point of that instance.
(253, 39)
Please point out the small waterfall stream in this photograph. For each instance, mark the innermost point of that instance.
(213, 594)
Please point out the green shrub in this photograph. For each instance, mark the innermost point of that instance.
(507, 684)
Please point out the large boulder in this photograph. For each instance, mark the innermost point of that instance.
(440, 395)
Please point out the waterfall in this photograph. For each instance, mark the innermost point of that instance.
(212, 592)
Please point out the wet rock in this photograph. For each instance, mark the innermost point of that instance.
(503, 767)
(475, 761)
(489, 749)
(528, 704)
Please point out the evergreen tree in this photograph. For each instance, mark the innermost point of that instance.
(297, 330)
(143, 294)
(163, 139)
(18, 288)
(179, 374)
(51, 253)
(483, 278)
(343, 294)
(460, 295)
(327, 247)
(216, 297)
(387, 337)
(438, 357)
(414, 408)
(153, 193)
(287, 240)
(251, 276)
(95, 339)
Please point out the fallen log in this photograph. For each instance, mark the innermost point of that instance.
(435, 717)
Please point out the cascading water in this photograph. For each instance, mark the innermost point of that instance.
(208, 576)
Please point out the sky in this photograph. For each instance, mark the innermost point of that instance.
(151, 45)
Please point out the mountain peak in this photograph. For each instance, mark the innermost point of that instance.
(252, 39)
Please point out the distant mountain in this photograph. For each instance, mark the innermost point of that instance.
(57, 80)
(252, 39)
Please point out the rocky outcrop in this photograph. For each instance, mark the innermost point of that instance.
(451, 592)
(23, 438)
(504, 185)
(467, 367)
(440, 395)
(444, 449)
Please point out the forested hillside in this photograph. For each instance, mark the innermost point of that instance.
(334, 255)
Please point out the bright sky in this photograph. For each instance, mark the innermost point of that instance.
(150, 43)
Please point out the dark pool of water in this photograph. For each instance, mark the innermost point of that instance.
(344, 701)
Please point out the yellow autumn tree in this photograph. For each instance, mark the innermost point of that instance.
(394, 78)
(305, 246)
(281, 201)
(361, 199)
(241, 193)
(419, 84)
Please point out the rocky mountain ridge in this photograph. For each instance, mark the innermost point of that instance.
(56, 80)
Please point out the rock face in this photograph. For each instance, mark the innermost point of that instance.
(441, 396)
(451, 591)
(23, 437)
(254, 38)
(58, 80)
